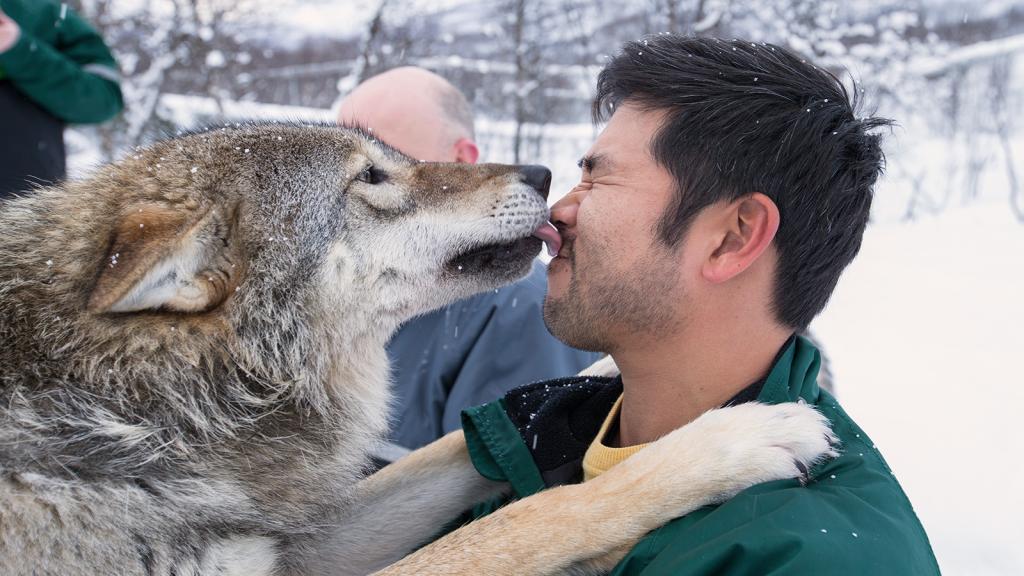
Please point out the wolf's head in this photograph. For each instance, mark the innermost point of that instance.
(199, 218)
(198, 282)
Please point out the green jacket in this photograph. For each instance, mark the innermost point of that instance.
(61, 63)
(852, 517)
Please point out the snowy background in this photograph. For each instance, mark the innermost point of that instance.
(925, 329)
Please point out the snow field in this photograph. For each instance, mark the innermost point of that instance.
(926, 336)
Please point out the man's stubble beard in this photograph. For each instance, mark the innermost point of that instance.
(601, 307)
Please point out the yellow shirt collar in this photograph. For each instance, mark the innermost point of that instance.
(600, 458)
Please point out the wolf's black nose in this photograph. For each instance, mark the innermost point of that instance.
(537, 177)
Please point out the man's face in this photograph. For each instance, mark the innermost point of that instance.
(613, 278)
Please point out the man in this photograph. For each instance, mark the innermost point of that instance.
(54, 69)
(474, 350)
(715, 213)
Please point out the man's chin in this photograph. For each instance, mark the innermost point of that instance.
(566, 322)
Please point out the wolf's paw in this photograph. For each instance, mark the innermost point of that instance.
(728, 450)
(760, 443)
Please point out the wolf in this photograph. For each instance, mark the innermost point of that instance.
(193, 371)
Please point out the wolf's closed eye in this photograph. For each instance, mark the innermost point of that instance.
(371, 175)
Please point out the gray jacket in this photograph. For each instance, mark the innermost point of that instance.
(470, 353)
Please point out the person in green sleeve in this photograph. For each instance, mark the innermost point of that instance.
(714, 215)
(54, 70)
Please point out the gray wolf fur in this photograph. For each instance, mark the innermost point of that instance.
(193, 370)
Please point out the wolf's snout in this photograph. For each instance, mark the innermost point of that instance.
(537, 177)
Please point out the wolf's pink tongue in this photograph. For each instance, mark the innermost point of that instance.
(551, 238)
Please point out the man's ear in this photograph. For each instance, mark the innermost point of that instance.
(466, 151)
(748, 226)
(163, 258)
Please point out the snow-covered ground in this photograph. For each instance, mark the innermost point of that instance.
(925, 336)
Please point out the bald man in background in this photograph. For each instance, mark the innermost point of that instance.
(474, 350)
(416, 111)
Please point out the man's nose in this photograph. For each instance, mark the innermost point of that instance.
(563, 213)
(536, 177)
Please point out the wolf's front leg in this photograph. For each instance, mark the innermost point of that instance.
(708, 461)
(402, 506)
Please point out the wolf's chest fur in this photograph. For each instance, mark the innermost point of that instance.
(229, 510)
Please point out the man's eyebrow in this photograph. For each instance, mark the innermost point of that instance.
(590, 162)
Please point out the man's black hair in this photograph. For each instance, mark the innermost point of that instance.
(744, 117)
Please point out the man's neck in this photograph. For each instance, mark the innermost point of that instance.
(669, 384)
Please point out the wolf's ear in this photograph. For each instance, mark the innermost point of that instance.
(167, 259)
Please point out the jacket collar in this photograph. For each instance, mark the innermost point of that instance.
(536, 435)
(794, 374)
